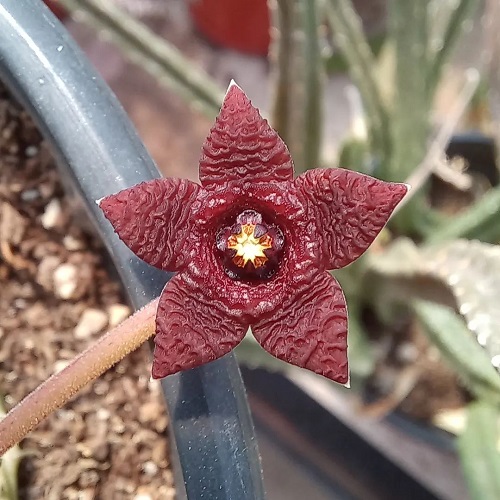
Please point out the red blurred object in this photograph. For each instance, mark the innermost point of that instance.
(236, 24)
(56, 8)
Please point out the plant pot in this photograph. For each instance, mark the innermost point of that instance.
(242, 25)
(99, 152)
(480, 155)
(479, 151)
(317, 425)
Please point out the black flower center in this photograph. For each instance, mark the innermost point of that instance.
(250, 247)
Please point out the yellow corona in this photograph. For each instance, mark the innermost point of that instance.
(248, 247)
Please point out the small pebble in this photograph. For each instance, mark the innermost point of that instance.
(12, 224)
(92, 321)
(88, 478)
(117, 313)
(45, 273)
(72, 244)
(20, 303)
(143, 496)
(65, 281)
(103, 414)
(95, 448)
(30, 195)
(31, 151)
(52, 216)
(29, 344)
(150, 468)
(60, 365)
(88, 494)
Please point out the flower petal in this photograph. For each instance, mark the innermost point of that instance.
(242, 146)
(191, 329)
(154, 220)
(311, 331)
(349, 210)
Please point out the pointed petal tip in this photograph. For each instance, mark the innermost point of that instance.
(241, 145)
(349, 210)
(310, 331)
(156, 373)
(401, 191)
(347, 384)
(190, 331)
(161, 370)
(110, 206)
(340, 374)
(154, 219)
(233, 88)
(232, 84)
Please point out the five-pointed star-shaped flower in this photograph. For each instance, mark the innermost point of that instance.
(252, 247)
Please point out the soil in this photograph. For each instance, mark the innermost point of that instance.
(56, 297)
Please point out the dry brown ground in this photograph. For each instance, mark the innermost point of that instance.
(56, 295)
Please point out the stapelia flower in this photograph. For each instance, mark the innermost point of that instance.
(252, 247)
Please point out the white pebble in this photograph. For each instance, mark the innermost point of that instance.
(117, 313)
(52, 216)
(72, 244)
(65, 281)
(31, 151)
(60, 365)
(92, 321)
(30, 195)
(150, 468)
(103, 414)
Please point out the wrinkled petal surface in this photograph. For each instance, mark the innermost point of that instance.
(154, 219)
(311, 330)
(191, 330)
(242, 146)
(348, 209)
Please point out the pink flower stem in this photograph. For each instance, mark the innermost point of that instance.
(86, 367)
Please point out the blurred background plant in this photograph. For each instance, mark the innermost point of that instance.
(428, 288)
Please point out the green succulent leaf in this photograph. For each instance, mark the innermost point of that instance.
(479, 451)
(298, 75)
(151, 52)
(469, 269)
(449, 333)
(478, 221)
(472, 271)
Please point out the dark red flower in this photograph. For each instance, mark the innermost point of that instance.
(252, 247)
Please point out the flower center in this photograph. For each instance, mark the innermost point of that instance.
(250, 248)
